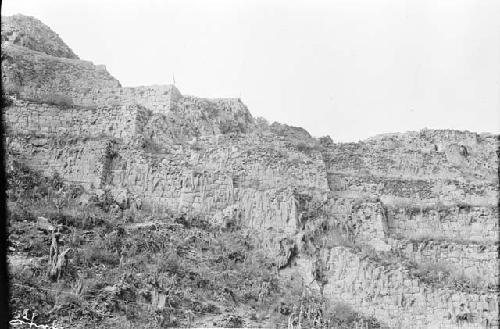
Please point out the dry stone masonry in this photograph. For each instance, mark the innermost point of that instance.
(402, 227)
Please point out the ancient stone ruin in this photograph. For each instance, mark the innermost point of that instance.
(403, 226)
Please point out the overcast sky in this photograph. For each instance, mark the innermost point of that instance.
(349, 69)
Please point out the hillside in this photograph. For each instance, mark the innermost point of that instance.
(186, 211)
(31, 33)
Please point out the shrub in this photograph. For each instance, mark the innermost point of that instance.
(27, 185)
(12, 89)
(55, 181)
(262, 124)
(343, 312)
(24, 183)
(196, 146)
(326, 141)
(75, 191)
(191, 221)
(172, 264)
(18, 213)
(151, 147)
(105, 201)
(81, 219)
(58, 99)
(97, 254)
(47, 98)
(6, 101)
(307, 148)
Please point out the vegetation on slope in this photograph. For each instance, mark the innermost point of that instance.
(131, 269)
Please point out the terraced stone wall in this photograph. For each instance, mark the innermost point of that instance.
(428, 154)
(124, 122)
(82, 161)
(456, 223)
(400, 299)
(34, 75)
(216, 173)
(477, 262)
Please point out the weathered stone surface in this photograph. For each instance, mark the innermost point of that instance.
(427, 154)
(29, 32)
(268, 183)
(460, 223)
(34, 75)
(359, 220)
(477, 262)
(400, 300)
(124, 122)
(77, 160)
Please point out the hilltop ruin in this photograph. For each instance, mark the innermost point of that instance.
(401, 227)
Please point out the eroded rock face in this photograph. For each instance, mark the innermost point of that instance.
(377, 224)
(395, 294)
(45, 78)
(29, 32)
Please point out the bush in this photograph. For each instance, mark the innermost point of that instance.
(26, 184)
(151, 147)
(307, 148)
(326, 141)
(47, 98)
(262, 124)
(12, 89)
(6, 101)
(75, 191)
(19, 213)
(105, 201)
(97, 254)
(196, 146)
(171, 263)
(57, 99)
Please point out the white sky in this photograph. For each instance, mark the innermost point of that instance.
(350, 69)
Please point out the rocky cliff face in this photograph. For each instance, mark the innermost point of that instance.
(29, 32)
(402, 227)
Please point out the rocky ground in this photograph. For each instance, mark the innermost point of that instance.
(174, 210)
(131, 270)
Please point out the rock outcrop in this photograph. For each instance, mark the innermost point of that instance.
(31, 33)
(402, 227)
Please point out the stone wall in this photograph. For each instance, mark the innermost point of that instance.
(252, 181)
(243, 179)
(77, 160)
(40, 77)
(280, 191)
(34, 75)
(214, 174)
(469, 223)
(424, 201)
(124, 122)
(429, 154)
(158, 99)
(392, 294)
(397, 191)
(476, 262)
(192, 118)
(270, 185)
(361, 220)
(37, 76)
